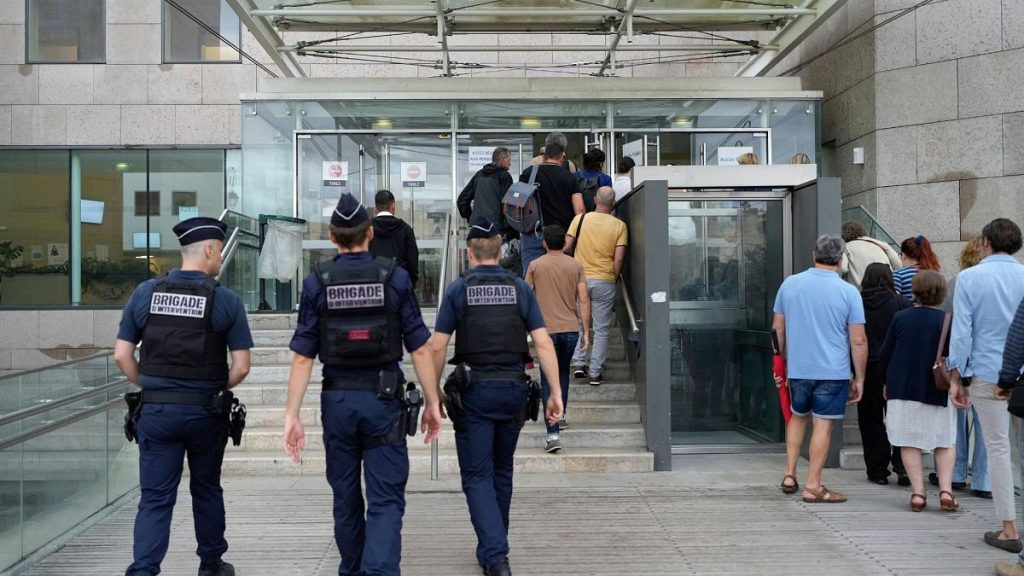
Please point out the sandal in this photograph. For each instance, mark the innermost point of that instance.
(824, 496)
(789, 488)
(948, 505)
(914, 505)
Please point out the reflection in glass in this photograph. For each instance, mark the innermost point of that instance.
(185, 41)
(116, 239)
(34, 201)
(11, 463)
(65, 479)
(726, 265)
(66, 31)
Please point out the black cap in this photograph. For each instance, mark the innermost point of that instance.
(480, 227)
(349, 212)
(198, 229)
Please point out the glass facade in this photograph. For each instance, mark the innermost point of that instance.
(83, 227)
(726, 265)
(66, 31)
(287, 145)
(185, 41)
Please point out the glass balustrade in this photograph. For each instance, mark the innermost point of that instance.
(63, 454)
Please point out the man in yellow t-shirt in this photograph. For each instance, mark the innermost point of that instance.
(600, 241)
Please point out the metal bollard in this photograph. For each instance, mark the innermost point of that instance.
(433, 459)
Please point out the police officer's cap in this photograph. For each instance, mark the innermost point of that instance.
(198, 229)
(481, 227)
(348, 213)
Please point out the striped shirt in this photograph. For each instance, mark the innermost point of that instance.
(902, 279)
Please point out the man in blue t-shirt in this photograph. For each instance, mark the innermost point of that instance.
(187, 323)
(819, 319)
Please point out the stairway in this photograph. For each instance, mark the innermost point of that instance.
(605, 434)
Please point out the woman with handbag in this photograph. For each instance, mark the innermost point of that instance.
(920, 416)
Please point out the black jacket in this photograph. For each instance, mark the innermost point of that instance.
(393, 238)
(468, 194)
(880, 305)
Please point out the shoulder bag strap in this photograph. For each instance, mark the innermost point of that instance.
(579, 226)
(877, 245)
(533, 174)
(942, 338)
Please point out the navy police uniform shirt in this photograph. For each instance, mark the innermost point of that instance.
(228, 318)
(306, 340)
(453, 306)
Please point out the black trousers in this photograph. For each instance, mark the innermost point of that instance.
(878, 454)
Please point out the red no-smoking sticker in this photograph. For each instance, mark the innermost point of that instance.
(414, 174)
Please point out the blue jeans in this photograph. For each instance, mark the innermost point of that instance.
(531, 246)
(822, 398)
(168, 433)
(979, 467)
(368, 534)
(485, 439)
(565, 344)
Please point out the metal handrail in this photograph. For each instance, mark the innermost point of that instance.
(634, 324)
(56, 424)
(442, 277)
(227, 254)
(66, 401)
(55, 366)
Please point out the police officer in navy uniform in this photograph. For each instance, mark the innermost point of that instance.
(491, 314)
(355, 314)
(187, 323)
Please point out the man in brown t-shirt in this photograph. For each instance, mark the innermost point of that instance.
(561, 288)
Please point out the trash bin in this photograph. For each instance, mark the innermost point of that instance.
(280, 250)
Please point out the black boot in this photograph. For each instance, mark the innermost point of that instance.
(225, 569)
(499, 569)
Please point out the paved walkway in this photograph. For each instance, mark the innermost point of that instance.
(712, 515)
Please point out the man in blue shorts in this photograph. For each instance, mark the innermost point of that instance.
(819, 320)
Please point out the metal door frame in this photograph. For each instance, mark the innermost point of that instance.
(646, 132)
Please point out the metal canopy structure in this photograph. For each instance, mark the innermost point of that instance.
(441, 34)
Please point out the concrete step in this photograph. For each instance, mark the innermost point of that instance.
(851, 433)
(532, 436)
(852, 458)
(627, 412)
(288, 321)
(527, 461)
(276, 394)
(278, 373)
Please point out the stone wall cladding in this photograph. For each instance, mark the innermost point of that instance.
(943, 146)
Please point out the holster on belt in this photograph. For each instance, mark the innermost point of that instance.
(131, 417)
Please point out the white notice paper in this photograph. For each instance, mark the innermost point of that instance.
(634, 150)
(727, 155)
(479, 156)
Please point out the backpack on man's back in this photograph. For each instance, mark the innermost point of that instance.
(587, 186)
(521, 205)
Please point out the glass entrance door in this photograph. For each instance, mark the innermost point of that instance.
(415, 167)
(692, 147)
(726, 259)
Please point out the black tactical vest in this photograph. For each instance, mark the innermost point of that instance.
(359, 327)
(178, 340)
(492, 329)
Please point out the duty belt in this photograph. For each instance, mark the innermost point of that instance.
(477, 376)
(349, 384)
(170, 397)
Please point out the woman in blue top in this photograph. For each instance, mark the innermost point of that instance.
(916, 254)
(919, 416)
(591, 177)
